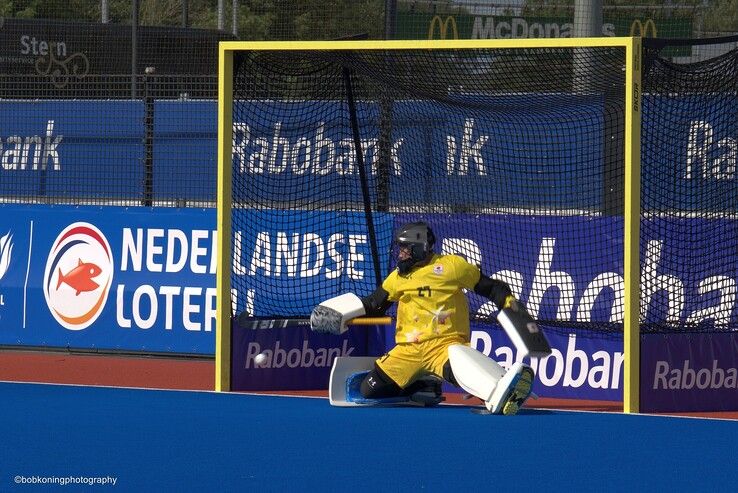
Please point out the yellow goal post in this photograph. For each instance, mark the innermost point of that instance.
(631, 144)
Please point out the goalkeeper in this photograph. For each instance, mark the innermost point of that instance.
(432, 330)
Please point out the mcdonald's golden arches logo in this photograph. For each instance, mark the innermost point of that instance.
(638, 28)
(443, 27)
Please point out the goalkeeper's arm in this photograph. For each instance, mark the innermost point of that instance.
(377, 303)
(497, 291)
(522, 329)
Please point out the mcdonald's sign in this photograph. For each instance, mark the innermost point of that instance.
(443, 27)
(638, 28)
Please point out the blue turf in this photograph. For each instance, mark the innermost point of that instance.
(196, 441)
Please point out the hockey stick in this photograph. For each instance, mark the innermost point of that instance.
(246, 321)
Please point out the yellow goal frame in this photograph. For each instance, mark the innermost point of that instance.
(632, 146)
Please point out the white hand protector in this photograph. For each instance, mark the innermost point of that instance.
(523, 331)
(332, 315)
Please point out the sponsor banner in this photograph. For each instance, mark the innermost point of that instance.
(291, 261)
(144, 279)
(502, 25)
(46, 148)
(689, 372)
(575, 282)
(462, 153)
(108, 278)
(65, 52)
(185, 160)
(296, 358)
(560, 276)
(583, 364)
(696, 169)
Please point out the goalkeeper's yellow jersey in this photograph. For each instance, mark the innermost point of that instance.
(430, 299)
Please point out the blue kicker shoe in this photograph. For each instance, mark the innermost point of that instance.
(353, 386)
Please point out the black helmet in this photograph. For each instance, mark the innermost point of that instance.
(420, 239)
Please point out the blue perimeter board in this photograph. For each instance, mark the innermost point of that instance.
(153, 440)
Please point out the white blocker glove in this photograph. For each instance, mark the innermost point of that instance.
(332, 315)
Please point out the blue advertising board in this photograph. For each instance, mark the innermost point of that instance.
(288, 262)
(689, 372)
(61, 148)
(436, 149)
(77, 148)
(582, 364)
(571, 268)
(108, 278)
(296, 357)
(143, 279)
(689, 153)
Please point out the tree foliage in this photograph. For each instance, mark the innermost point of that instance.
(330, 19)
(723, 17)
(256, 19)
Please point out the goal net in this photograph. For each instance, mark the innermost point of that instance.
(515, 152)
(689, 196)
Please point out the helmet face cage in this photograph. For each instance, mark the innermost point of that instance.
(419, 238)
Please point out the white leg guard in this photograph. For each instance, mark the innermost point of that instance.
(502, 392)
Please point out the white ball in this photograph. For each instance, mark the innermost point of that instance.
(260, 359)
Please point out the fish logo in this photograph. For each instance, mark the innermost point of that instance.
(6, 252)
(78, 276)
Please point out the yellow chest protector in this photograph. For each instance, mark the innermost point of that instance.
(431, 301)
